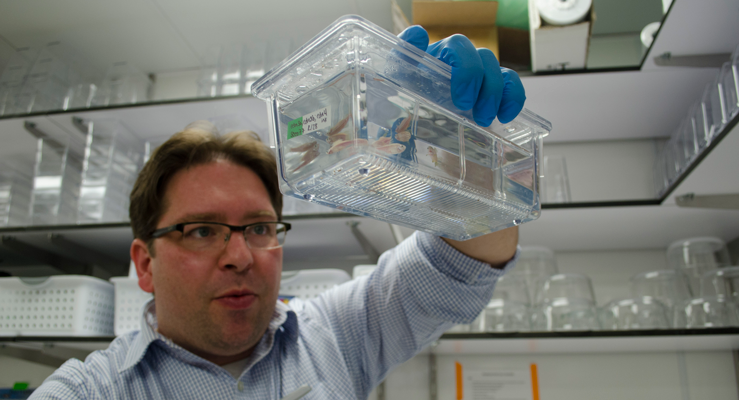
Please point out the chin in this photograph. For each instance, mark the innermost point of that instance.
(241, 335)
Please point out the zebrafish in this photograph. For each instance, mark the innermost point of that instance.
(343, 144)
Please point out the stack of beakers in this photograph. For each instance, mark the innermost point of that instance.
(654, 293)
(53, 77)
(717, 305)
(703, 262)
(635, 313)
(696, 256)
(14, 97)
(508, 311)
(705, 120)
(566, 302)
(124, 84)
(231, 69)
(515, 294)
(54, 74)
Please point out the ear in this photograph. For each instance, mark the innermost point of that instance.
(143, 260)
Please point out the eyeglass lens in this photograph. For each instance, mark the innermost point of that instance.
(202, 236)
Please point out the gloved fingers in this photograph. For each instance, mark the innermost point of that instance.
(489, 99)
(514, 96)
(467, 68)
(416, 36)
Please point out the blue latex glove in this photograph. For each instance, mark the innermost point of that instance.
(478, 81)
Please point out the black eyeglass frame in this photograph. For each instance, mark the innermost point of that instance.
(242, 228)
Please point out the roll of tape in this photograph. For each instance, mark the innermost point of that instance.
(647, 34)
(563, 12)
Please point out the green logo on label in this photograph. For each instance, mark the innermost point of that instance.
(295, 128)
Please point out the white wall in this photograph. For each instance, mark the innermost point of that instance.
(650, 376)
(15, 370)
(608, 170)
(606, 376)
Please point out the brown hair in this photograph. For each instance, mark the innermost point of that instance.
(199, 143)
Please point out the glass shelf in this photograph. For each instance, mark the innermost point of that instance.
(641, 341)
(712, 339)
(125, 106)
(591, 334)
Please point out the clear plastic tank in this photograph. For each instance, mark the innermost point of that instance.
(364, 122)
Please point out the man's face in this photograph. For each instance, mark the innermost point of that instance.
(217, 305)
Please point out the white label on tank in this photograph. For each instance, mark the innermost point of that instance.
(317, 120)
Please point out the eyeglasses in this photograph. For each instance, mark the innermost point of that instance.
(204, 236)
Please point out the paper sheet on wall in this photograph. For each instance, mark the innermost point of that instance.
(496, 383)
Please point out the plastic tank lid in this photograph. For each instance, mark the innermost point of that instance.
(265, 86)
(261, 86)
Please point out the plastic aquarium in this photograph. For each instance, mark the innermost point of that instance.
(364, 122)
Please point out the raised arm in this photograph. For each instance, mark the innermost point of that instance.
(420, 289)
(495, 248)
(481, 84)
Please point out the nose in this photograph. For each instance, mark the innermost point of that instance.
(237, 255)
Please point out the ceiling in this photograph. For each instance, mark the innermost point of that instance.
(168, 35)
(162, 36)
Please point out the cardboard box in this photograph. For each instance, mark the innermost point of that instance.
(474, 19)
(514, 48)
(556, 48)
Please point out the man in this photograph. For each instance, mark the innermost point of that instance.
(206, 212)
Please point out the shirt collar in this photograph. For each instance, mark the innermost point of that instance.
(283, 319)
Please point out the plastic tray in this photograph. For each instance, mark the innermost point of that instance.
(364, 122)
(129, 300)
(309, 283)
(67, 305)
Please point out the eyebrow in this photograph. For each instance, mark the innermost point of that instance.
(215, 217)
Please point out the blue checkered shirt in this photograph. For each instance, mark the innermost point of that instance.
(341, 343)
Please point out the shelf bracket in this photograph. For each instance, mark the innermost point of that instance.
(695, 61)
(11, 243)
(381, 391)
(89, 256)
(370, 250)
(33, 129)
(81, 125)
(735, 358)
(723, 201)
(433, 385)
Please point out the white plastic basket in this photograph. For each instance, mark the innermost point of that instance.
(65, 305)
(129, 298)
(308, 283)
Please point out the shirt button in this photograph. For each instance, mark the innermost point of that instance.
(240, 386)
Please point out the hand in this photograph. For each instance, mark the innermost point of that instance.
(478, 81)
